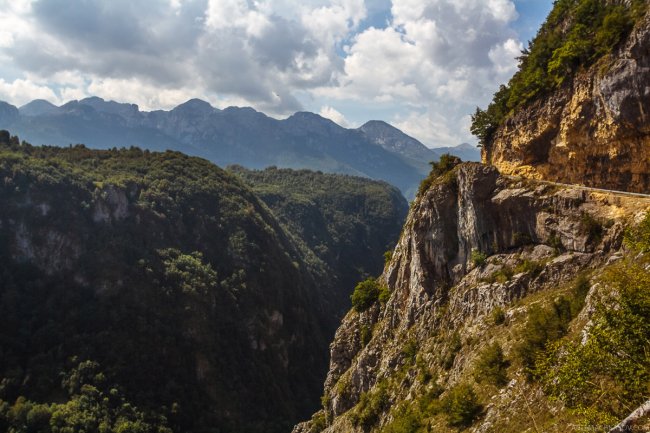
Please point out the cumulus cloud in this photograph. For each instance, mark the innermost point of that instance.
(334, 115)
(433, 61)
(504, 57)
(440, 57)
(432, 128)
(22, 91)
(220, 48)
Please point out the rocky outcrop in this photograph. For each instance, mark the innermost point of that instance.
(594, 130)
(474, 242)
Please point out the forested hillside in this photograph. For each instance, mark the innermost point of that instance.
(146, 291)
(344, 220)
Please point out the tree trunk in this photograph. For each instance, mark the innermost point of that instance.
(638, 413)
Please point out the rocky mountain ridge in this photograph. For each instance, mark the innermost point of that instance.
(233, 135)
(479, 255)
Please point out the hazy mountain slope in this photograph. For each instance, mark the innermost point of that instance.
(231, 136)
(394, 140)
(344, 220)
(38, 107)
(464, 151)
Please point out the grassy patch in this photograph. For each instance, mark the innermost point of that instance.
(478, 258)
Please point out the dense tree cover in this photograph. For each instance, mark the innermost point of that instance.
(91, 406)
(575, 35)
(343, 220)
(167, 272)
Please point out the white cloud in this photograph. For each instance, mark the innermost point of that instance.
(431, 128)
(381, 65)
(332, 23)
(504, 57)
(21, 92)
(445, 56)
(232, 14)
(432, 62)
(335, 116)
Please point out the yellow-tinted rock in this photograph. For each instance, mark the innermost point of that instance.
(594, 130)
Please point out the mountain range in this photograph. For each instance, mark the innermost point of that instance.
(233, 135)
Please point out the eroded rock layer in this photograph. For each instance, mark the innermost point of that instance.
(594, 130)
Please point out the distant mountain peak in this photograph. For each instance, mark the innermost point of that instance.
(465, 151)
(305, 122)
(38, 107)
(75, 106)
(380, 130)
(195, 106)
(124, 110)
(391, 138)
(236, 109)
(308, 115)
(92, 99)
(378, 124)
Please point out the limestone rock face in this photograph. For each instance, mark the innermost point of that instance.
(593, 131)
(440, 285)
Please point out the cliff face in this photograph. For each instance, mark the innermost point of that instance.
(474, 245)
(594, 130)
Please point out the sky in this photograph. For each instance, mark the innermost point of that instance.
(421, 65)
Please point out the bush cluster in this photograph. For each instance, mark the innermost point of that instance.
(461, 405)
(547, 324)
(491, 366)
(477, 257)
(441, 169)
(370, 406)
(367, 292)
(638, 237)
